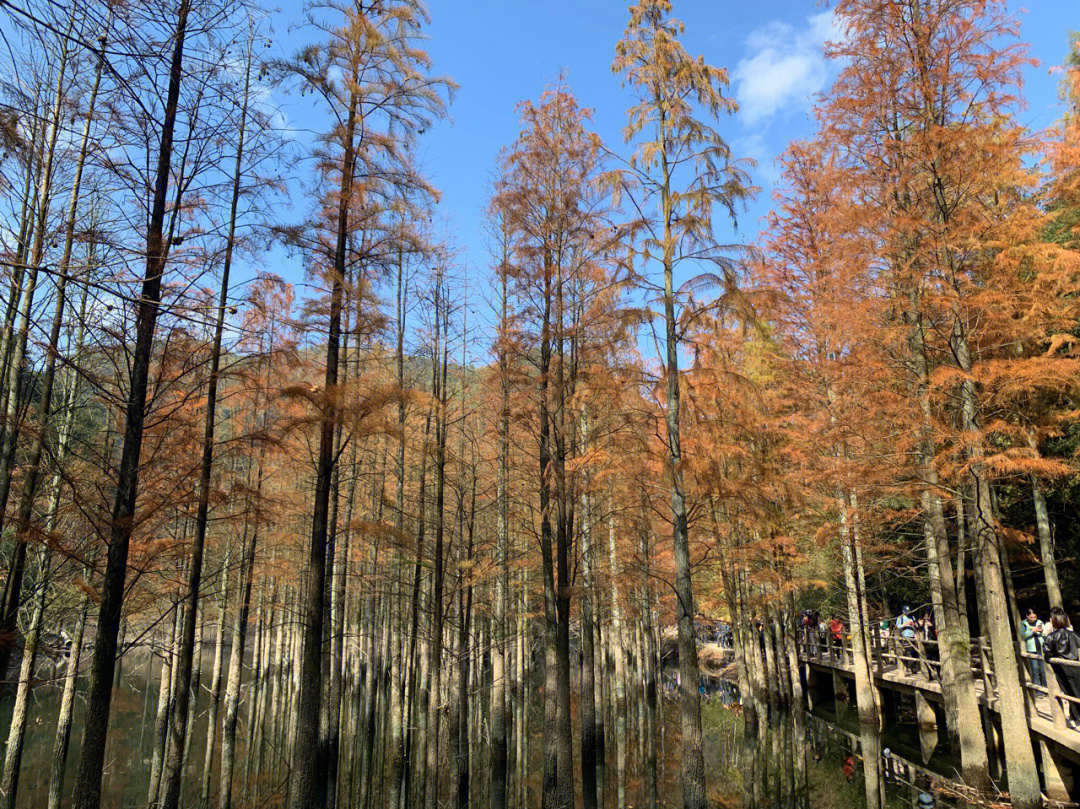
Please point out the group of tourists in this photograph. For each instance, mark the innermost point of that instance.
(916, 636)
(710, 631)
(909, 628)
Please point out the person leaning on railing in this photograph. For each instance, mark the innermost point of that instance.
(1064, 645)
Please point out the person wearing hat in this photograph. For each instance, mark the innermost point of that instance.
(905, 625)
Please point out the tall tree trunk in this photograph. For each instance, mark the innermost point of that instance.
(563, 528)
(524, 695)
(34, 151)
(164, 705)
(397, 704)
(67, 700)
(550, 786)
(587, 700)
(87, 792)
(439, 358)
(307, 790)
(787, 629)
(67, 706)
(15, 735)
(236, 662)
(178, 735)
(1019, 755)
(601, 677)
(1046, 536)
(465, 595)
(615, 640)
(954, 641)
(866, 697)
(215, 683)
(9, 783)
(502, 530)
(693, 759)
(648, 669)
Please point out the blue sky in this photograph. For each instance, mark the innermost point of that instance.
(503, 51)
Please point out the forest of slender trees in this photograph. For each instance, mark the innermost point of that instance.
(299, 509)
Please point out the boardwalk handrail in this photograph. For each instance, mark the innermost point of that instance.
(1053, 690)
(918, 659)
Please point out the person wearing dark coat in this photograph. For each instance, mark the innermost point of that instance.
(1064, 644)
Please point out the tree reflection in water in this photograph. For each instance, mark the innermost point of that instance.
(797, 760)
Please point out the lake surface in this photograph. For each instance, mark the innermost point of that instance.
(794, 759)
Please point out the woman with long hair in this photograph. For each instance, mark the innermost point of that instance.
(1060, 645)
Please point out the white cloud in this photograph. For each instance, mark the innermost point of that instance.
(766, 173)
(784, 67)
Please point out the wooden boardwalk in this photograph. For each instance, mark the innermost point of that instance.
(911, 667)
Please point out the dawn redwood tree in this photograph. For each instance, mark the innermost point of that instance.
(376, 83)
(171, 778)
(682, 169)
(923, 120)
(816, 276)
(87, 792)
(560, 270)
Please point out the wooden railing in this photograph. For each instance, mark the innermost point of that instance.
(913, 778)
(918, 658)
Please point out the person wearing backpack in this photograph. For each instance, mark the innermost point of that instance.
(1064, 644)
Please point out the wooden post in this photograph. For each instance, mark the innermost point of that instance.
(924, 713)
(1026, 682)
(1054, 689)
(1059, 779)
(988, 682)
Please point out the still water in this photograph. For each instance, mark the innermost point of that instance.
(799, 760)
(815, 760)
